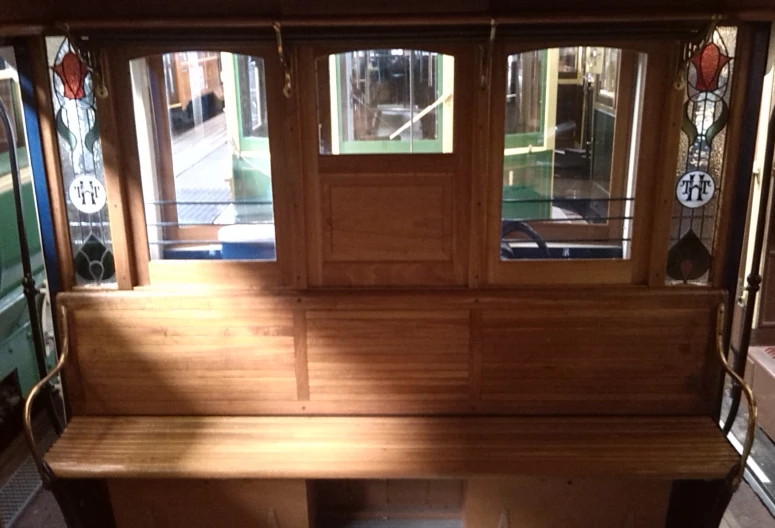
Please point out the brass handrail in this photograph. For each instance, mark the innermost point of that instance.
(45, 471)
(752, 409)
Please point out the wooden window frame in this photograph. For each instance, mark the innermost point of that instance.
(320, 170)
(281, 111)
(655, 113)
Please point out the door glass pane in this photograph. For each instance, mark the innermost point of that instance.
(385, 101)
(571, 128)
(202, 132)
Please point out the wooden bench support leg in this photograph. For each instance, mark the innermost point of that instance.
(698, 503)
(85, 503)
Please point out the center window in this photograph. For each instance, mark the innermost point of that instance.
(571, 131)
(385, 101)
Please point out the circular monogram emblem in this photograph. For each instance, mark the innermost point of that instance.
(87, 194)
(695, 189)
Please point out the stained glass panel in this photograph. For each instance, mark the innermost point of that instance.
(701, 159)
(80, 155)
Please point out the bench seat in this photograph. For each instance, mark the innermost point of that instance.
(390, 447)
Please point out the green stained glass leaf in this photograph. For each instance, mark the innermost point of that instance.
(92, 136)
(688, 126)
(64, 131)
(719, 124)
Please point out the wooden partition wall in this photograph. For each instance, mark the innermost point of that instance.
(586, 352)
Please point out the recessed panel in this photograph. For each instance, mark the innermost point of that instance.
(407, 223)
(388, 356)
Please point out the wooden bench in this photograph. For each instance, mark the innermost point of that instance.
(390, 447)
(515, 397)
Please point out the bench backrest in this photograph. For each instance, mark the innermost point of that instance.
(626, 351)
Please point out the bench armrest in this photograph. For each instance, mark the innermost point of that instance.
(752, 409)
(46, 474)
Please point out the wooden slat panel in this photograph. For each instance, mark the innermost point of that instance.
(362, 447)
(625, 351)
(588, 361)
(183, 361)
(388, 356)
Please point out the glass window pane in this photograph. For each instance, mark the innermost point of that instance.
(701, 159)
(385, 101)
(568, 180)
(80, 156)
(204, 155)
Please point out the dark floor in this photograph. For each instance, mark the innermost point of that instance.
(745, 511)
(42, 512)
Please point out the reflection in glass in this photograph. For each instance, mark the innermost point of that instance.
(567, 188)
(204, 153)
(525, 94)
(385, 101)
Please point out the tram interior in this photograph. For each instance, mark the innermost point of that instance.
(342, 280)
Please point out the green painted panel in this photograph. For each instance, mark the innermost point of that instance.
(527, 177)
(16, 348)
(10, 252)
(252, 182)
(17, 352)
(421, 146)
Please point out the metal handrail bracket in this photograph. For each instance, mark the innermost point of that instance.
(46, 475)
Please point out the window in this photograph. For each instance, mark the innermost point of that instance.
(568, 180)
(80, 156)
(385, 101)
(202, 130)
(10, 251)
(700, 170)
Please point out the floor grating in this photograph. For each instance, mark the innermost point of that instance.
(17, 493)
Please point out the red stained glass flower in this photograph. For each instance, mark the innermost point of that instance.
(72, 72)
(708, 65)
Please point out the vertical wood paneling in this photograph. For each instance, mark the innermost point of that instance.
(300, 344)
(111, 144)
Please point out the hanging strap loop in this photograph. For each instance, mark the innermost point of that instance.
(95, 61)
(283, 59)
(486, 66)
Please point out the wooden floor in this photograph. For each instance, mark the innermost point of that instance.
(747, 511)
